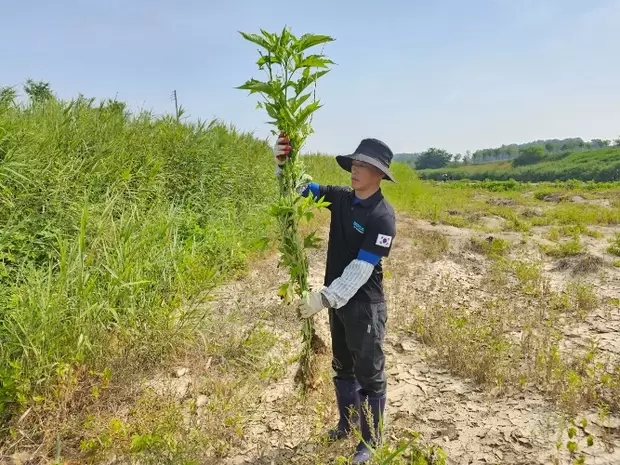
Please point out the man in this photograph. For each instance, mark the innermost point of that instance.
(362, 229)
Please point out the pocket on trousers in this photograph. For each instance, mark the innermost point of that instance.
(379, 316)
(371, 320)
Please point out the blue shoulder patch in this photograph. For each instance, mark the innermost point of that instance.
(358, 227)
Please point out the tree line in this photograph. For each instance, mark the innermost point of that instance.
(521, 154)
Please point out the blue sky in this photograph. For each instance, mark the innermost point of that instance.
(460, 75)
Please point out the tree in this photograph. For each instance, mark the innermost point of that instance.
(433, 158)
(549, 147)
(38, 91)
(529, 156)
(600, 143)
(458, 157)
(617, 141)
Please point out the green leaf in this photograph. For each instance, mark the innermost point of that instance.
(295, 103)
(306, 112)
(272, 110)
(258, 40)
(284, 291)
(254, 85)
(311, 242)
(315, 61)
(271, 38)
(284, 37)
(571, 432)
(308, 79)
(590, 440)
(265, 60)
(307, 41)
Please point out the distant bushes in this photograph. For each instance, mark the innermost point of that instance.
(529, 156)
(601, 165)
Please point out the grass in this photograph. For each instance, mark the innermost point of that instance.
(115, 228)
(601, 165)
(491, 246)
(433, 244)
(112, 227)
(614, 248)
(515, 342)
(464, 203)
(565, 249)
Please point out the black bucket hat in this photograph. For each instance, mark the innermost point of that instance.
(373, 152)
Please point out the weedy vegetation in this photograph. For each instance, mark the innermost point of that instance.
(285, 95)
(113, 229)
(116, 229)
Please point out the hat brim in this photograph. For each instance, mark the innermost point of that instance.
(346, 161)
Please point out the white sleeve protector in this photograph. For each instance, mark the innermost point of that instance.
(343, 288)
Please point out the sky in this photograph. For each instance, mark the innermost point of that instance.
(454, 74)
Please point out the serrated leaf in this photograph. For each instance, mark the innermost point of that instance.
(264, 60)
(309, 79)
(272, 110)
(254, 85)
(285, 37)
(307, 41)
(306, 112)
(315, 61)
(255, 38)
(296, 103)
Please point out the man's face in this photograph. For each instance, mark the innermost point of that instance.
(364, 176)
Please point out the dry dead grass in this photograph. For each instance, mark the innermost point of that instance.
(584, 264)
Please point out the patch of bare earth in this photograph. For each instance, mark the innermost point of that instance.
(490, 425)
(481, 405)
(475, 422)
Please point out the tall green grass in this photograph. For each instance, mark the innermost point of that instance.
(111, 226)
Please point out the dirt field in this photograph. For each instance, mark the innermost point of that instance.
(497, 341)
(479, 407)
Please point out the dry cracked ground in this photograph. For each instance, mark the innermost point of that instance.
(495, 343)
(493, 346)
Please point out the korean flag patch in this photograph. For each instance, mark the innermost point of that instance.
(383, 241)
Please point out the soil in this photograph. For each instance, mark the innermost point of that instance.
(474, 425)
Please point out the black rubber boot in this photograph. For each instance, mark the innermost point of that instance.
(347, 398)
(376, 405)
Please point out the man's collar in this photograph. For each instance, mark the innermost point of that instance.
(370, 201)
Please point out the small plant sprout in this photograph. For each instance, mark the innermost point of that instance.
(290, 76)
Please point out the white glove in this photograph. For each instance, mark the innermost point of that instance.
(313, 303)
(281, 149)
